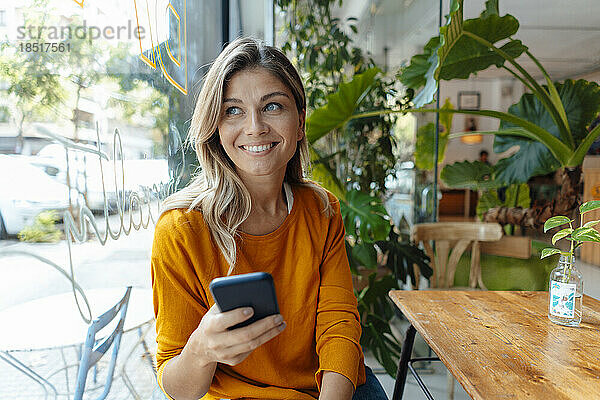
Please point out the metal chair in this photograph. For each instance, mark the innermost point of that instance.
(451, 239)
(93, 352)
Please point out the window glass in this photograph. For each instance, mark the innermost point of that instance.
(96, 101)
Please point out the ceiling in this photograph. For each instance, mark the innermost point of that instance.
(566, 39)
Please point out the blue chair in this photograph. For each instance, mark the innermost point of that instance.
(93, 352)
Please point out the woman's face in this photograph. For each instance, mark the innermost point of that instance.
(260, 124)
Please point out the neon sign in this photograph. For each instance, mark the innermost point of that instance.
(156, 21)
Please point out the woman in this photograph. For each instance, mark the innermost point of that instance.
(250, 209)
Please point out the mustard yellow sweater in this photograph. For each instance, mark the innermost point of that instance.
(306, 256)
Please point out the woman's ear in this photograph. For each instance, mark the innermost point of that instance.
(302, 124)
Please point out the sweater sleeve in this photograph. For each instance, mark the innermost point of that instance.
(338, 327)
(178, 307)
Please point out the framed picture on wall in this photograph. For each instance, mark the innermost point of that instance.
(469, 100)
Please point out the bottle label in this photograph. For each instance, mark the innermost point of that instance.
(562, 297)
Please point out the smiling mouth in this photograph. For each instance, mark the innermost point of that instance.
(260, 149)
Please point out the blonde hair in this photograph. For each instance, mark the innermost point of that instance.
(217, 190)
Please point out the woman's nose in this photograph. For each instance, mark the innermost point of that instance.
(255, 125)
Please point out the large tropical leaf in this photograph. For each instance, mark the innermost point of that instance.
(365, 217)
(320, 172)
(533, 157)
(365, 254)
(413, 75)
(401, 256)
(468, 56)
(581, 100)
(340, 105)
(455, 55)
(469, 175)
(376, 311)
(425, 145)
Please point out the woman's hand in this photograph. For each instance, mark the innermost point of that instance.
(211, 342)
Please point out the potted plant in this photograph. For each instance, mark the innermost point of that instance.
(549, 123)
(565, 300)
(353, 162)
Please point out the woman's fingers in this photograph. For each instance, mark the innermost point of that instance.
(254, 330)
(237, 353)
(232, 347)
(221, 321)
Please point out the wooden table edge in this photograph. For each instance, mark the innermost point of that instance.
(469, 388)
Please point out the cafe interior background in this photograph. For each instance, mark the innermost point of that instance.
(94, 113)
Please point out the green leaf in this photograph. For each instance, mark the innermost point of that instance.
(577, 157)
(556, 221)
(589, 206)
(469, 56)
(365, 254)
(517, 196)
(549, 251)
(469, 175)
(489, 199)
(427, 95)
(585, 234)
(340, 105)
(591, 224)
(491, 8)
(425, 146)
(561, 234)
(365, 217)
(401, 256)
(446, 117)
(533, 157)
(413, 76)
(527, 129)
(581, 100)
(351, 260)
(322, 173)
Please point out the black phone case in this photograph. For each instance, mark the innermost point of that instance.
(254, 290)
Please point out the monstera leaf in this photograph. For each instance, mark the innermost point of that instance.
(340, 105)
(469, 175)
(401, 256)
(365, 254)
(375, 313)
(365, 217)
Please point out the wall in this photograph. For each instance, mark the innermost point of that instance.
(496, 94)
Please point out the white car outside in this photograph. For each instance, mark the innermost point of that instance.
(26, 191)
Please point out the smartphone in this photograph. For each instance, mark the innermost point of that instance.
(254, 290)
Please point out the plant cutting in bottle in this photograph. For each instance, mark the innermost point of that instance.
(585, 233)
(565, 300)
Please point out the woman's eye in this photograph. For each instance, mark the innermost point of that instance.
(233, 111)
(273, 107)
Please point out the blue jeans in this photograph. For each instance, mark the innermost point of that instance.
(371, 390)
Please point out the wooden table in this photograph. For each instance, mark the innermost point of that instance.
(501, 345)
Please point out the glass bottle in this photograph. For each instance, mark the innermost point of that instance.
(565, 300)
